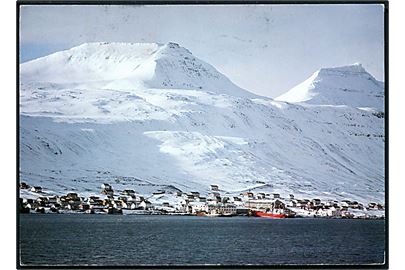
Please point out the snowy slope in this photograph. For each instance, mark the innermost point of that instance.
(349, 85)
(88, 62)
(168, 120)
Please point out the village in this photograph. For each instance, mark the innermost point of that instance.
(129, 202)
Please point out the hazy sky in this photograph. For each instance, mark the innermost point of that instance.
(266, 49)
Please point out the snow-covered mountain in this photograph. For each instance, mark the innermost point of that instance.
(129, 65)
(349, 85)
(154, 116)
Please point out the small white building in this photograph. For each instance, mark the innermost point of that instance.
(128, 192)
(145, 204)
(53, 199)
(261, 195)
(333, 212)
(201, 199)
(212, 201)
(292, 203)
(227, 209)
(247, 196)
(106, 186)
(198, 207)
(214, 194)
(221, 209)
(37, 189)
(275, 196)
(316, 202)
(345, 203)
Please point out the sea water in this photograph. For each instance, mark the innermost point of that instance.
(131, 240)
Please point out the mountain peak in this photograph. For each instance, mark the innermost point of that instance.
(129, 66)
(348, 85)
(172, 45)
(354, 68)
(172, 49)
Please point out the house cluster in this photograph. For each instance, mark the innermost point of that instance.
(294, 207)
(108, 201)
(214, 203)
(193, 203)
(211, 205)
(247, 203)
(331, 208)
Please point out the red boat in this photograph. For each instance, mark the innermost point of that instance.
(269, 214)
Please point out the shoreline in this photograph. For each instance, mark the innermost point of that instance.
(80, 213)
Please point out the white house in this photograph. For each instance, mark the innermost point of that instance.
(145, 204)
(106, 186)
(275, 196)
(198, 207)
(36, 189)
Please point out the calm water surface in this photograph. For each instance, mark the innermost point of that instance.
(146, 240)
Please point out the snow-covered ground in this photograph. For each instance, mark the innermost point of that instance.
(153, 116)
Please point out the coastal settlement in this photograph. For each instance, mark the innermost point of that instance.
(33, 199)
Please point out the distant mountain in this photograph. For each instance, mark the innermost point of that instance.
(154, 116)
(349, 85)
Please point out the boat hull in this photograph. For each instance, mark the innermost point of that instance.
(269, 215)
